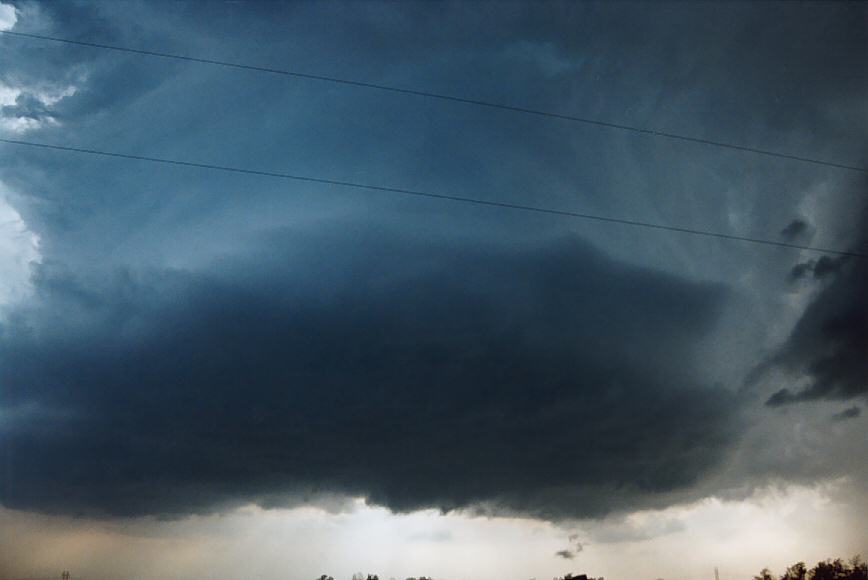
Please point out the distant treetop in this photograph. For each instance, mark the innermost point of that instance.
(855, 569)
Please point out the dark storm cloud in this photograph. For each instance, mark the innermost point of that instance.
(679, 69)
(27, 106)
(830, 341)
(525, 376)
(819, 268)
(575, 548)
(795, 229)
(417, 376)
(848, 413)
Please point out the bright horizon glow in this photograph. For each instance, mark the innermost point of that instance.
(739, 537)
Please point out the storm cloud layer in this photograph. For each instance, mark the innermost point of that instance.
(178, 340)
(829, 344)
(364, 369)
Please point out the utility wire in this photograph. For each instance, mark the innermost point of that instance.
(433, 195)
(444, 97)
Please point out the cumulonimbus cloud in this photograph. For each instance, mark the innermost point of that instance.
(829, 343)
(551, 381)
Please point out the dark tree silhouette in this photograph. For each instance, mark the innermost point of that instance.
(796, 572)
(855, 569)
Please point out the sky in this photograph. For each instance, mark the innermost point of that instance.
(238, 376)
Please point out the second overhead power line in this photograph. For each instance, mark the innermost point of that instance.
(444, 97)
(434, 195)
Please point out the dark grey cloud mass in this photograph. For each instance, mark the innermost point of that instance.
(26, 106)
(819, 268)
(829, 343)
(796, 229)
(420, 354)
(576, 547)
(848, 413)
(417, 376)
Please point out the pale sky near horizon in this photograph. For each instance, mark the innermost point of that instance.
(234, 376)
(769, 529)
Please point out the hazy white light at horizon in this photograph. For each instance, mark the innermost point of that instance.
(739, 537)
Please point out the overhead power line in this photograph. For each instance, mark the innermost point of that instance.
(433, 195)
(444, 97)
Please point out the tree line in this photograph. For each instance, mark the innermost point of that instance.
(837, 569)
(359, 576)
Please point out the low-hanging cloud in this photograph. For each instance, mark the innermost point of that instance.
(828, 344)
(848, 413)
(798, 228)
(550, 381)
(533, 378)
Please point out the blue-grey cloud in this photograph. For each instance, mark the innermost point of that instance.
(27, 106)
(458, 357)
(819, 268)
(417, 376)
(848, 413)
(796, 229)
(829, 342)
